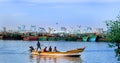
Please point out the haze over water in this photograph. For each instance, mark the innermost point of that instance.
(17, 52)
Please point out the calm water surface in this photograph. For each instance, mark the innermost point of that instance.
(17, 52)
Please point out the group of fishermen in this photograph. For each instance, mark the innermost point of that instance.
(44, 50)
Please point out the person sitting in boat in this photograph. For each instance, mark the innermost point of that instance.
(31, 48)
(45, 49)
(50, 49)
(55, 49)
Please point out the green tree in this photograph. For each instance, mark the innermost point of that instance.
(113, 34)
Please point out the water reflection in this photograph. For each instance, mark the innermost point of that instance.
(54, 59)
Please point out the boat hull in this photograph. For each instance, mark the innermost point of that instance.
(56, 54)
(70, 53)
(92, 39)
(84, 39)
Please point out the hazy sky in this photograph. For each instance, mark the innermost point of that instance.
(46, 13)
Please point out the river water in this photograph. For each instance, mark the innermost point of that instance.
(18, 52)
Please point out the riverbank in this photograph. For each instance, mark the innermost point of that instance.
(34, 36)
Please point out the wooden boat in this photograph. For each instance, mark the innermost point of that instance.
(70, 53)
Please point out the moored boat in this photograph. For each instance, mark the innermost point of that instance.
(92, 39)
(42, 38)
(70, 53)
(84, 39)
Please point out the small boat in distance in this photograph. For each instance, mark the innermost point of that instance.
(71, 53)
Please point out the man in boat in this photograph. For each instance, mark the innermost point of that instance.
(38, 45)
(55, 49)
(50, 49)
(31, 48)
(45, 49)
